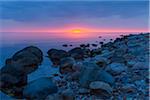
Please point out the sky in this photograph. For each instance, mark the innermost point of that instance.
(62, 16)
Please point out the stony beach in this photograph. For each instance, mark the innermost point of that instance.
(118, 70)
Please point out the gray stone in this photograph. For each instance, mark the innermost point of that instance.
(79, 53)
(39, 89)
(116, 68)
(56, 55)
(14, 74)
(68, 94)
(97, 86)
(140, 66)
(66, 65)
(91, 72)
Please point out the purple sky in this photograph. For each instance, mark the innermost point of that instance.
(67, 15)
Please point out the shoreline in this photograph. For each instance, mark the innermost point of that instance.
(126, 60)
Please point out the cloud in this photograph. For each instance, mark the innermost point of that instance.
(43, 11)
(110, 14)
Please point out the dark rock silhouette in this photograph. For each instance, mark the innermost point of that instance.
(56, 55)
(79, 53)
(14, 73)
(65, 45)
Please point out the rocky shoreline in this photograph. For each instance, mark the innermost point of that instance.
(118, 70)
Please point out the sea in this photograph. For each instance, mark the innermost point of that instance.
(11, 42)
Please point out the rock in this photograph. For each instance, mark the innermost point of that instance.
(102, 75)
(65, 45)
(78, 53)
(141, 66)
(128, 88)
(116, 68)
(95, 52)
(87, 76)
(100, 61)
(56, 55)
(68, 94)
(98, 86)
(39, 89)
(54, 97)
(84, 91)
(94, 45)
(66, 65)
(12, 85)
(14, 74)
(24, 61)
(131, 63)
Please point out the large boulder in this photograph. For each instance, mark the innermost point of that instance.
(92, 72)
(14, 73)
(66, 65)
(39, 89)
(79, 53)
(56, 55)
(24, 61)
(116, 68)
(100, 88)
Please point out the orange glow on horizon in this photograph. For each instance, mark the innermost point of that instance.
(74, 30)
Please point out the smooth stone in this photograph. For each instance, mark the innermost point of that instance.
(83, 91)
(100, 61)
(116, 68)
(86, 75)
(102, 75)
(95, 52)
(78, 53)
(140, 66)
(91, 72)
(68, 94)
(129, 88)
(100, 85)
(14, 73)
(66, 65)
(39, 89)
(56, 55)
(24, 61)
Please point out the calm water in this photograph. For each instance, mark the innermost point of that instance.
(12, 42)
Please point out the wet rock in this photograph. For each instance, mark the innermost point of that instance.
(13, 85)
(78, 53)
(87, 76)
(24, 61)
(100, 61)
(100, 88)
(14, 74)
(100, 37)
(95, 52)
(56, 55)
(39, 89)
(101, 43)
(65, 45)
(140, 66)
(66, 65)
(128, 88)
(94, 45)
(105, 76)
(70, 45)
(116, 68)
(68, 94)
(54, 97)
(84, 91)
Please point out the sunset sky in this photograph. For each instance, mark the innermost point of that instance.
(64, 16)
